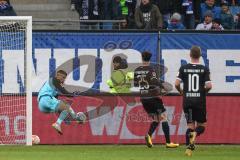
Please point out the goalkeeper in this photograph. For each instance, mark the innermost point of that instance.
(120, 81)
(49, 103)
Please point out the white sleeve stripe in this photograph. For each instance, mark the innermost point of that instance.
(179, 78)
(208, 82)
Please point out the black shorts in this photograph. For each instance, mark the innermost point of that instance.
(153, 106)
(194, 114)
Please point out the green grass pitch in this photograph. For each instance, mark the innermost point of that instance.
(117, 152)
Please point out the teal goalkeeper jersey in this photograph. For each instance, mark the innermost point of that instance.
(48, 89)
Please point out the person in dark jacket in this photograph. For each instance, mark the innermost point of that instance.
(216, 25)
(89, 10)
(190, 12)
(210, 5)
(6, 9)
(111, 11)
(226, 17)
(238, 21)
(127, 8)
(166, 8)
(148, 16)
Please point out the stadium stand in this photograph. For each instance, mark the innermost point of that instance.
(64, 14)
(47, 10)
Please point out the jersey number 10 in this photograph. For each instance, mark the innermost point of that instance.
(193, 82)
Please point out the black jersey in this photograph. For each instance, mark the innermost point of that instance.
(146, 78)
(194, 77)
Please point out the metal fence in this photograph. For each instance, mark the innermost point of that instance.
(54, 24)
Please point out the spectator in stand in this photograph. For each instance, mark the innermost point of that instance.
(148, 16)
(6, 9)
(131, 12)
(218, 2)
(207, 23)
(210, 5)
(166, 8)
(127, 12)
(124, 24)
(89, 10)
(175, 22)
(124, 8)
(237, 2)
(230, 2)
(238, 21)
(226, 17)
(111, 11)
(188, 15)
(190, 12)
(216, 25)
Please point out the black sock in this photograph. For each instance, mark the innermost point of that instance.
(165, 128)
(188, 136)
(152, 128)
(200, 130)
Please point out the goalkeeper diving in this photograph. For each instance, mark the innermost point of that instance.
(48, 101)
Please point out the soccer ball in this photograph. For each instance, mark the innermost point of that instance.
(35, 139)
(81, 117)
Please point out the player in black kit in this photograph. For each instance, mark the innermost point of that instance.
(146, 78)
(196, 84)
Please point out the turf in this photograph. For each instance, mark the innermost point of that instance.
(117, 152)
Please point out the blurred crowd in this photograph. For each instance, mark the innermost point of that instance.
(152, 14)
(6, 8)
(160, 14)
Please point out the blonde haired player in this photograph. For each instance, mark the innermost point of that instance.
(196, 84)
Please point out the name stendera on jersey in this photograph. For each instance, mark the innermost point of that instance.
(194, 77)
(193, 82)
